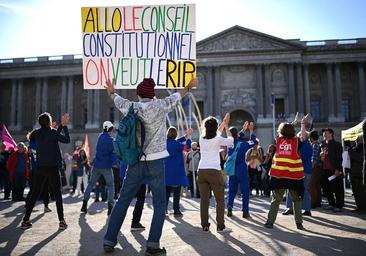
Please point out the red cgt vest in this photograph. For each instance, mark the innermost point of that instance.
(286, 163)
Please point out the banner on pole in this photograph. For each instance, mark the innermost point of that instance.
(130, 43)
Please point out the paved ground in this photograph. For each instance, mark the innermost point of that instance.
(326, 233)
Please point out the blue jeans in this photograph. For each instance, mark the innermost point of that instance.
(306, 201)
(153, 172)
(234, 181)
(109, 183)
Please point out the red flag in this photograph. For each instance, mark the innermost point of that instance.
(7, 139)
(86, 146)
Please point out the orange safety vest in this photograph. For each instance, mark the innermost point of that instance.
(287, 161)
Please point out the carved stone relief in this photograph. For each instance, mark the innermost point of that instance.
(278, 77)
(239, 41)
(234, 98)
(239, 76)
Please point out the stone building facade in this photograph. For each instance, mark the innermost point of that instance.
(239, 70)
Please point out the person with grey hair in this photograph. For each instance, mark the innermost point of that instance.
(359, 192)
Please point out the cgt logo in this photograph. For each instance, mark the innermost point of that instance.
(285, 147)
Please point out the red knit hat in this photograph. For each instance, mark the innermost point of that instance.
(145, 89)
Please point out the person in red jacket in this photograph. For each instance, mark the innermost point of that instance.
(18, 171)
(287, 171)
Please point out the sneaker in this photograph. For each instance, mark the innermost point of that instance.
(137, 227)
(307, 213)
(328, 207)
(224, 230)
(84, 208)
(178, 214)
(150, 251)
(300, 226)
(25, 225)
(337, 209)
(62, 225)
(110, 207)
(268, 225)
(229, 212)
(46, 209)
(108, 248)
(246, 215)
(288, 212)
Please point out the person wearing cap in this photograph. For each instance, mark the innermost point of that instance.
(152, 112)
(103, 161)
(332, 165)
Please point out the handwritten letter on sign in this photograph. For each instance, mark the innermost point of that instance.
(131, 43)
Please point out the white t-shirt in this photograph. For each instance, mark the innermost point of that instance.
(210, 151)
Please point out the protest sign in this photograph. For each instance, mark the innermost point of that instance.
(130, 43)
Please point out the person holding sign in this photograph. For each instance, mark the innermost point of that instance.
(287, 171)
(152, 112)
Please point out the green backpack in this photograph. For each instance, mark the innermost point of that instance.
(125, 144)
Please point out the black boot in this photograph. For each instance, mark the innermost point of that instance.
(84, 207)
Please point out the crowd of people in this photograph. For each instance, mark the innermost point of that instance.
(298, 168)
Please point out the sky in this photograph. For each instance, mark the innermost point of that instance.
(32, 28)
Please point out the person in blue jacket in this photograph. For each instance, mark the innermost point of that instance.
(103, 161)
(306, 152)
(175, 174)
(241, 170)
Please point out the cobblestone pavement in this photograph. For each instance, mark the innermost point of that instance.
(327, 233)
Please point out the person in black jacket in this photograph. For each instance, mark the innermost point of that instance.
(49, 162)
(331, 156)
(364, 153)
(359, 192)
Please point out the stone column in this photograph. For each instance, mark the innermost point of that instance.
(267, 93)
(307, 88)
(209, 90)
(291, 90)
(20, 105)
(96, 112)
(300, 89)
(217, 93)
(37, 108)
(70, 99)
(13, 104)
(259, 69)
(362, 90)
(63, 95)
(89, 121)
(330, 91)
(44, 94)
(338, 91)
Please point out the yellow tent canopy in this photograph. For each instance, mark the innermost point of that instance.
(352, 133)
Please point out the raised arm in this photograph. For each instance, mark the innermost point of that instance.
(192, 84)
(224, 123)
(304, 122)
(66, 137)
